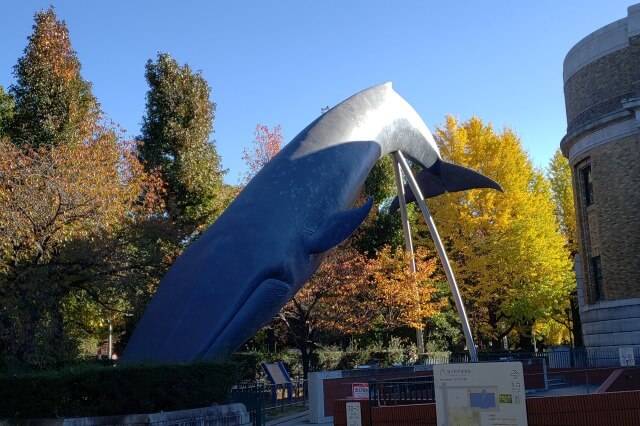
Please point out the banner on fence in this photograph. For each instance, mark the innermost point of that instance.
(360, 390)
(486, 393)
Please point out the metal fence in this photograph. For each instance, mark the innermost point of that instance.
(415, 390)
(264, 400)
(558, 357)
(252, 396)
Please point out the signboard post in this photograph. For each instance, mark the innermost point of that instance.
(484, 394)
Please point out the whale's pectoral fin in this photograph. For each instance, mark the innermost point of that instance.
(446, 177)
(337, 228)
(262, 306)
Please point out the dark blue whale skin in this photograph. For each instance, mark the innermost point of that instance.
(274, 235)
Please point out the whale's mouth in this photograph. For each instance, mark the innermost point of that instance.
(264, 302)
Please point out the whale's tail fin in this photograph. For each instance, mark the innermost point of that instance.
(446, 177)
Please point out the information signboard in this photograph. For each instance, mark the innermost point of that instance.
(354, 414)
(482, 394)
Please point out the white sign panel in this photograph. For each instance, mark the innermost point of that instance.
(626, 357)
(354, 414)
(482, 394)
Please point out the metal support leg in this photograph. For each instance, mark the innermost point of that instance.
(399, 158)
(406, 227)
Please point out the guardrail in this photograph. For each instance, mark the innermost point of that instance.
(558, 357)
(418, 390)
(265, 400)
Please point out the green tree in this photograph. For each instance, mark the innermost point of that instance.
(559, 174)
(53, 103)
(381, 228)
(508, 256)
(6, 112)
(175, 134)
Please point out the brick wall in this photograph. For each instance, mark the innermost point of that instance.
(615, 214)
(597, 89)
(610, 228)
(619, 408)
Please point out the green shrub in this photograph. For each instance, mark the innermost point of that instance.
(326, 359)
(386, 357)
(352, 358)
(250, 364)
(100, 391)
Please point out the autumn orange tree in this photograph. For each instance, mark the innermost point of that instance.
(508, 255)
(79, 240)
(352, 294)
(63, 211)
(53, 103)
(264, 146)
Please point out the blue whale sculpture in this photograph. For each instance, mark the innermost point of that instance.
(274, 235)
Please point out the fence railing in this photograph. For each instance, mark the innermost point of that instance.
(415, 390)
(264, 400)
(562, 357)
(252, 396)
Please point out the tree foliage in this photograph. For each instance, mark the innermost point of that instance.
(559, 173)
(353, 294)
(264, 146)
(509, 258)
(53, 103)
(62, 213)
(76, 209)
(6, 112)
(175, 134)
(381, 228)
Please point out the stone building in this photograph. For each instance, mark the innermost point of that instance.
(602, 97)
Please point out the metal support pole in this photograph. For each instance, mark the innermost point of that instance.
(406, 227)
(110, 348)
(441, 252)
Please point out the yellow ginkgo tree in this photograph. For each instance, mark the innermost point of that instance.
(510, 260)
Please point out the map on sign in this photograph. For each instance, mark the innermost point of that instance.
(480, 394)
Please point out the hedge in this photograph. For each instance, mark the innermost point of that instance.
(328, 359)
(130, 389)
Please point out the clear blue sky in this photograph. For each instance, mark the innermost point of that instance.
(279, 62)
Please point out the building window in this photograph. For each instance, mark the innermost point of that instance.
(587, 185)
(597, 277)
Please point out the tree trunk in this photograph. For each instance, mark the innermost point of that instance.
(420, 340)
(496, 341)
(578, 341)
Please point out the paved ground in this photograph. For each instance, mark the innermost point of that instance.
(301, 418)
